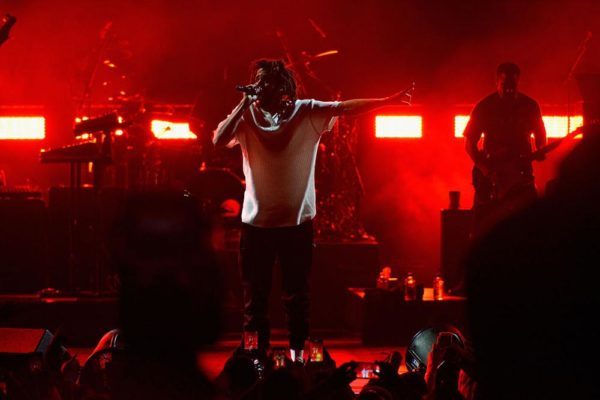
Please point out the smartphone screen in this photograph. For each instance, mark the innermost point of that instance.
(366, 370)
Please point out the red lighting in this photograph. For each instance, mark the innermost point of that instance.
(22, 128)
(398, 126)
(556, 125)
(460, 123)
(171, 130)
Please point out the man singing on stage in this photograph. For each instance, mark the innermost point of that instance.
(503, 175)
(279, 136)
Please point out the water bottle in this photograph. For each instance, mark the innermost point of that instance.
(438, 288)
(383, 282)
(410, 287)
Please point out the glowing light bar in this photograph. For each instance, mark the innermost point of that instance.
(556, 125)
(22, 128)
(460, 123)
(398, 126)
(171, 130)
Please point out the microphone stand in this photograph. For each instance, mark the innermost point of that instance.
(582, 49)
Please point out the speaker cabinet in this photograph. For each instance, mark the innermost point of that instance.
(15, 341)
(22, 350)
(79, 227)
(455, 228)
(23, 353)
(22, 245)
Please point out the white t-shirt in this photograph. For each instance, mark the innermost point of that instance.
(279, 162)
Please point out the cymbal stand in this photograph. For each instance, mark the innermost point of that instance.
(582, 49)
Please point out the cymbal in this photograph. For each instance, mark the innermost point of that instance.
(308, 57)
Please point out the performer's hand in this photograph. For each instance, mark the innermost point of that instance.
(345, 373)
(403, 97)
(250, 98)
(387, 371)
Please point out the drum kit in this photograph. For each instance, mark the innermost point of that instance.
(140, 159)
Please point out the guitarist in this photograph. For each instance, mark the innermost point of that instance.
(502, 174)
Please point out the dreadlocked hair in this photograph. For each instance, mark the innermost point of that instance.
(277, 72)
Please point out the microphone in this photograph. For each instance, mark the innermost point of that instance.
(253, 90)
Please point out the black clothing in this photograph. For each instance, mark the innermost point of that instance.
(533, 288)
(506, 125)
(259, 248)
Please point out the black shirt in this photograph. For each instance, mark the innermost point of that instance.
(507, 125)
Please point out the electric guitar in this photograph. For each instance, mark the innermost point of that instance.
(7, 23)
(506, 175)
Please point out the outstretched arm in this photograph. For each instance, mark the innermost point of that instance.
(226, 129)
(360, 106)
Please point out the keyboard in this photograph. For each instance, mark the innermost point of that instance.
(78, 152)
(18, 193)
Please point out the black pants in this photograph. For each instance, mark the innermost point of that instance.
(259, 248)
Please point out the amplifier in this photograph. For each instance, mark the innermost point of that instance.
(455, 229)
(22, 245)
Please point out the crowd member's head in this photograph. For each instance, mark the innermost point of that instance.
(170, 295)
(532, 290)
(170, 292)
(282, 384)
(373, 392)
(238, 377)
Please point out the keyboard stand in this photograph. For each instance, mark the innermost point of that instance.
(75, 190)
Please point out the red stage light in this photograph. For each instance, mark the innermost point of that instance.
(398, 126)
(22, 128)
(171, 130)
(556, 125)
(460, 123)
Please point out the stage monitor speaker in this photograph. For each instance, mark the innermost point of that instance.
(22, 350)
(23, 341)
(455, 228)
(95, 212)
